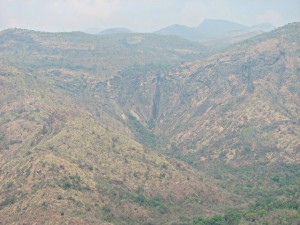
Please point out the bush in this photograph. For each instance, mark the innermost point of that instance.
(215, 220)
(59, 197)
(106, 210)
(8, 201)
(142, 134)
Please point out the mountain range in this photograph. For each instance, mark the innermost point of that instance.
(150, 129)
(212, 32)
(211, 29)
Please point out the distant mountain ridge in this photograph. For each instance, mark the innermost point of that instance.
(211, 29)
(116, 30)
(208, 30)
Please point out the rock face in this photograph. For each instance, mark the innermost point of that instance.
(148, 129)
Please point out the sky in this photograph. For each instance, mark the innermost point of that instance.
(140, 15)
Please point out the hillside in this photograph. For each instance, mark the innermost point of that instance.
(96, 55)
(149, 129)
(255, 81)
(60, 163)
(218, 90)
(65, 163)
(229, 115)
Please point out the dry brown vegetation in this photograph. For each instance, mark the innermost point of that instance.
(117, 129)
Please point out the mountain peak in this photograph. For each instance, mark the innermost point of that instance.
(220, 26)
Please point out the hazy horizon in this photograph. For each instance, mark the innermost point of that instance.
(140, 16)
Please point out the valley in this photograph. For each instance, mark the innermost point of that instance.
(149, 129)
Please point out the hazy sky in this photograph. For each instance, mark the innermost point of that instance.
(140, 15)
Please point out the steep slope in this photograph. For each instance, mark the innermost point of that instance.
(256, 81)
(221, 115)
(59, 163)
(234, 116)
(62, 162)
